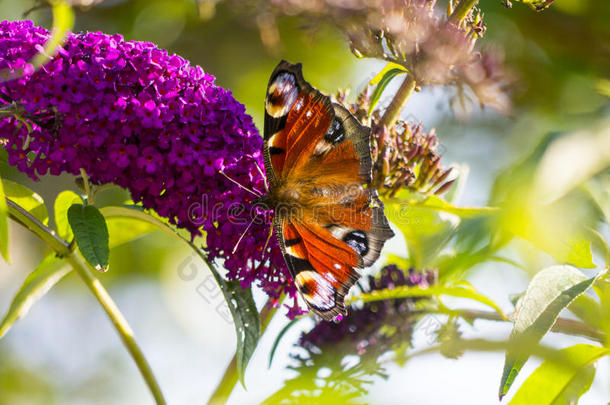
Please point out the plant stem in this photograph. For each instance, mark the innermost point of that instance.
(462, 10)
(87, 186)
(483, 345)
(562, 325)
(18, 214)
(120, 324)
(227, 384)
(393, 111)
(63, 249)
(229, 379)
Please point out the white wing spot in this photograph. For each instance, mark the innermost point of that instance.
(324, 296)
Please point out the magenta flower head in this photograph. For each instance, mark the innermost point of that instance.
(365, 328)
(131, 114)
(337, 360)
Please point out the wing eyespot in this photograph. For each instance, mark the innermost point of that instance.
(335, 133)
(281, 95)
(333, 136)
(358, 241)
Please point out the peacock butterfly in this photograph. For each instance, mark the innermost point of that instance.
(327, 218)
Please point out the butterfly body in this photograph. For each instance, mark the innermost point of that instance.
(318, 165)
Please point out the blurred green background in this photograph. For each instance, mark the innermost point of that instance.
(65, 352)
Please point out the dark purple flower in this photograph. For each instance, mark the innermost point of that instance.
(366, 327)
(338, 360)
(131, 114)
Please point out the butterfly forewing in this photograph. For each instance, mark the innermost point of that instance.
(317, 159)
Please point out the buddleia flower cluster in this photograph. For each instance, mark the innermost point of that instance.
(405, 156)
(134, 115)
(326, 353)
(415, 34)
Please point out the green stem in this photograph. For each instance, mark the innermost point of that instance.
(227, 384)
(87, 186)
(119, 322)
(483, 345)
(462, 10)
(400, 98)
(562, 325)
(230, 377)
(18, 214)
(63, 249)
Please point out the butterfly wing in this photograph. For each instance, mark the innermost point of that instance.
(319, 152)
(293, 111)
(322, 262)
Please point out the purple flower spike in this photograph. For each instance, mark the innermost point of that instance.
(131, 114)
(363, 327)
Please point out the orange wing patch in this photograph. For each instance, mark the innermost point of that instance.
(307, 123)
(322, 266)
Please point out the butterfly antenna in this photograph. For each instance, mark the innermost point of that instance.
(263, 175)
(268, 239)
(241, 185)
(242, 235)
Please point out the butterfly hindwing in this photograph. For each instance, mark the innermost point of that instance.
(366, 239)
(323, 259)
(317, 159)
(322, 266)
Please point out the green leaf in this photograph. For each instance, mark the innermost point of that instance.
(65, 200)
(382, 79)
(279, 337)
(550, 291)
(91, 234)
(35, 286)
(126, 223)
(464, 291)
(588, 309)
(426, 231)
(547, 229)
(245, 317)
(385, 70)
(135, 213)
(577, 387)
(26, 199)
(555, 226)
(4, 230)
(558, 383)
(124, 230)
(599, 190)
(603, 87)
(602, 287)
(436, 203)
